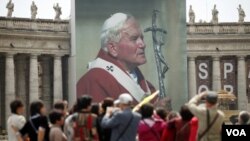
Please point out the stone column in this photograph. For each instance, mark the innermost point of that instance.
(33, 81)
(21, 77)
(21, 83)
(72, 80)
(46, 81)
(216, 76)
(241, 80)
(58, 95)
(9, 82)
(191, 77)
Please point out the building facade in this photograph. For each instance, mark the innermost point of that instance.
(33, 61)
(219, 59)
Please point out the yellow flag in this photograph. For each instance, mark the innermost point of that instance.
(146, 100)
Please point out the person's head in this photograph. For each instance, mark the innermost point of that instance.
(161, 112)
(60, 106)
(17, 107)
(107, 102)
(125, 100)
(66, 107)
(56, 118)
(95, 109)
(172, 115)
(185, 113)
(37, 107)
(84, 103)
(122, 38)
(147, 110)
(244, 117)
(234, 119)
(66, 104)
(211, 98)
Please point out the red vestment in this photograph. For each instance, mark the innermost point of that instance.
(99, 84)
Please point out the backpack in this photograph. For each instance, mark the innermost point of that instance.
(83, 127)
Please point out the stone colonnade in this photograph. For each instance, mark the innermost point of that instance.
(48, 75)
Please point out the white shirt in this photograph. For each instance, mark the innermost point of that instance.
(18, 122)
(68, 127)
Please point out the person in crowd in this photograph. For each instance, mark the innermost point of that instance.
(57, 120)
(96, 109)
(66, 107)
(107, 102)
(104, 134)
(172, 115)
(234, 119)
(123, 123)
(161, 113)
(122, 51)
(60, 106)
(84, 121)
(37, 127)
(210, 118)
(116, 103)
(16, 119)
(244, 117)
(69, 122)
(150, 129)
(182, 128)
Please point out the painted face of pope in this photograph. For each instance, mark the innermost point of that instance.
(130, 49)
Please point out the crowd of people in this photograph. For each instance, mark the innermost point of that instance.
(114, 120)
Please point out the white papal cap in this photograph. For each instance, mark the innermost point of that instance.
(114, 20)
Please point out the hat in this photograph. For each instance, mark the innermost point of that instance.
(125, 98)
(116, 102)
(212, 97)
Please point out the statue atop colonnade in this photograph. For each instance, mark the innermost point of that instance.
(10, 7)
